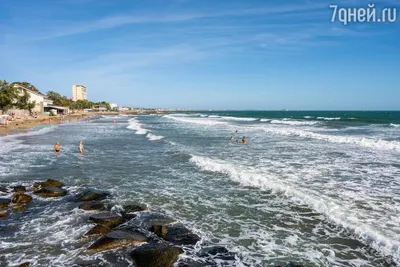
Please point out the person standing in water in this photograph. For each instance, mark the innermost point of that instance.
(232, 138)
(80, 147)
(244, 139)
(57, 147)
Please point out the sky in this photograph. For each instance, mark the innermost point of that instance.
(203, 54)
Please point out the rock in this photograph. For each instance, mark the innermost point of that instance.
(25, 264)
(90, 194)
(155, 255)
(92, 205)
(290, 264)
(19, 188)
(134, 208)
(3, 213)
(21, 198)
(51, 191)
(129, 216)
(117, 239)
(193, 263)
(49, 182)
(107, 219)
(217, 252)
(98, 230)
(4, 202)
(87, 263)
(178, 234)
(19, 207)
(146, 220)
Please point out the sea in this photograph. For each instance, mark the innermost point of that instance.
(316, 188)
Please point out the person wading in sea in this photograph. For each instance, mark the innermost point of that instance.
(57, 147)
(80, 147)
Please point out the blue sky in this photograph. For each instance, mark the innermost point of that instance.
(202, 54)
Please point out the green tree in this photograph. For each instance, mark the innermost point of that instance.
(24, 103)
(8, 95)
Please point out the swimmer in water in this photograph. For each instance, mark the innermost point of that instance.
(244, 140)
(232, 138)
(115, 121)
(80, 147)
(57, 147)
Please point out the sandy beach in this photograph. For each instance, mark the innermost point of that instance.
(20, 125)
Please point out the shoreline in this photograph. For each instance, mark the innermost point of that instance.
(25, 125)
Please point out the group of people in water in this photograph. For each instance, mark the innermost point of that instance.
(57, 147)
(244, 139)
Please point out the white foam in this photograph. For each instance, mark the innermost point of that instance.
(238, 118)
(360, 141)
(201, 121)
(328, 119)
(136, 126)
(153, 137)
(266, 120)
(308, 117)
(333, 209)
(394, 125)
(293, 122)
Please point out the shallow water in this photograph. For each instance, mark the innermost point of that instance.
(317, 188)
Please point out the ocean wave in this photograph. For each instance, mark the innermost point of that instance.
(136, 126)
(308, 117)
(394, 125)
(238, 118)
(153, 137)
(201, 121)
(328, 119)
(361, 141)
(214, 116)
(266, 120)
(293, 122)
(333, 211)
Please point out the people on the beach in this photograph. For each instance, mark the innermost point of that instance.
(80, 146)
(244, 139)
(57, 147)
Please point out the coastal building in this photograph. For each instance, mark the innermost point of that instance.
(113, 106)
(34, 96)
(79, 92)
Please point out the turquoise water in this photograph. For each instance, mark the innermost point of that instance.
(320, 188)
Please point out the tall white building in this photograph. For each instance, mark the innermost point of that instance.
(79, 92)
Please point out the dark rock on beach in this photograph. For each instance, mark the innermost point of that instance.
(98, 230)
(134, 208)
(92, 205)
(156, 255)
(51, 191)
(117, 239)
(19, 188)
(4, 202)
(217, 252)
(146, 220)
(90, 194)
(177, 234)
(49, 182)
(25, 264)
(3, 213)
(107, 219)
(291, 264)
(21, 198)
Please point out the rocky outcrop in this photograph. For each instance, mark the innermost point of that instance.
(51, 191)
(98, 230)
(3, 213)
(21, 198)
(92, 205)
(177, 234)
(19, 188)
(90, 194)
(155, 255)
(134, 208)
(49, 182)
(107, 219)
(25, 264)
(4, 202)
(117, 239)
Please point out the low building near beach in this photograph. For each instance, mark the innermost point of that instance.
(34, 96)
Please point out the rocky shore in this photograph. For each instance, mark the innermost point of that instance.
(150, 239)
